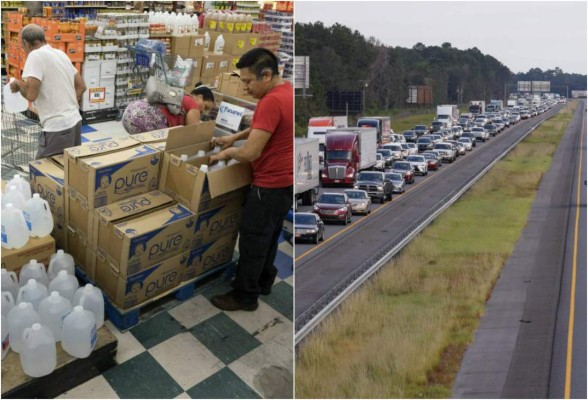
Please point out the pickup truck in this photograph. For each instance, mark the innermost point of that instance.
(375, 184)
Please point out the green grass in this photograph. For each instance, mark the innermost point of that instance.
(404, 333)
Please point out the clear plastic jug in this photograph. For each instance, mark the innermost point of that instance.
(14, 102)
(15, 232)
(7, 303)
(14, 196)
(219, 45)
(5, 337)
(78, 335)
(33, 292)
(20, 317)
(38, 216)
(33, 270)
(52, 311)
(39, 354)
(10, 282)
(22, 185)
(65, 284)
(61, 261)
(90, 297)
(219, 165)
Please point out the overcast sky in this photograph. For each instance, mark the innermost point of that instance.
(521, 35)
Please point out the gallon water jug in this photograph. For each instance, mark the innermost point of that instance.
(206, 41)
(219, 45)
(22, 316)
(33, 270)
(52, 311)
(248, 24)
(60, 261)
(65, 284)
(14, 102)
(38, 216)
(219, 165)
(10, 282)
(7, 303)
(15, 232)
(78, 335)
(22, 185)
(5, 337)
(14, 196)
(38, 356)
(33, 292)
(90, 297)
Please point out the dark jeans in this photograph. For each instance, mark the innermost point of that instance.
(261, 224)
(53, 143)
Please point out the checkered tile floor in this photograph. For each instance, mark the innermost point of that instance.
(194, 350)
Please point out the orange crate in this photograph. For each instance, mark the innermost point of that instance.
(75, 51)
(66, 38)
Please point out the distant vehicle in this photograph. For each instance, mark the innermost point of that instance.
(333, 207)
(307, 170)
(308, 226)
(447, 151)
(511, 103)
(361, 202)
(477, 107)
(318, 126)
(375, 184)
(480, 133)
(436, 138)
(382, 125)
(494, 106)
(447, 113)
(404, 168)
(398, 138)
(421, 130)
(460, 147)
(432, 161)
(424, 143)
(397, 181)
(419, 164)
(396, 149)
(410, 136)
(467, 142)
(380, 162)
(471, 136)
(492, 129)
(387, 155)
(410, 148)
(437, 126)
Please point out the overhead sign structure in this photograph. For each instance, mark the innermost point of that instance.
(524, 86)
(420, 95)
(229, 116)
(541, 86)
(301, 72)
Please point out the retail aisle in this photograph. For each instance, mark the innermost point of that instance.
(194, 350)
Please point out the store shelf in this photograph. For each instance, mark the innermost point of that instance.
(85, 7)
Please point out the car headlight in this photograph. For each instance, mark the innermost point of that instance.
(344, 208)
(311, 231)
(380, 187)
(315, 208)
(355, 186)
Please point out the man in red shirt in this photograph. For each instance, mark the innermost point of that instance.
(269, 147)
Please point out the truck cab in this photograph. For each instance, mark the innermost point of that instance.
(382, 125)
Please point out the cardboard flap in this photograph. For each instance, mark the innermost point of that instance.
(229, 178)
(183, 136)
(136, 205)
(100, 147)
(153, 136)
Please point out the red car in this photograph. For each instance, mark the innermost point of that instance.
(333, 207)
(404, 168)
(432, 161)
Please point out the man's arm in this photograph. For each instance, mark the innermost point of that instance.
(251, 149)
(29, 88)
(229, 140)
(80, 86)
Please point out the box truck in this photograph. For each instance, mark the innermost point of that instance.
(348, 151)
(448, 113)
(307, 170)
(495, 106)
(317, 128)
(382, 125)
(477, 107)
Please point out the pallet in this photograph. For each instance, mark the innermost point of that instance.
(92, 117)
(69, 373)
(126, 319)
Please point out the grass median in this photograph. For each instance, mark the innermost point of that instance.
(403, 334)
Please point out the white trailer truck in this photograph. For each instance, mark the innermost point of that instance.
(307, 170)
(448, 113)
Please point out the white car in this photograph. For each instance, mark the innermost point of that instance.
(395, 148)
(419, 164)
(467, 143)
(412, 148)
(399, 138)
(480, 133)
(380, 162)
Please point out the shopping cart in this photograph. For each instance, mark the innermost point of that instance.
(20, 139)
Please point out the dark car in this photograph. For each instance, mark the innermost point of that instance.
(492, 129)
(421, 130)
(375, 184)
(424, 143)
(308, 226)
(410, 136)
(432, 161)
(333, 207)
(436, 126)
(387, 155)
(404, 168)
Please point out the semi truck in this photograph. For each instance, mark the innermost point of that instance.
(347, 152)
(307, 170)
(511, 103)
(495, 106)
(448, 113)
(477, 107)
(317, 128)
(382, 125)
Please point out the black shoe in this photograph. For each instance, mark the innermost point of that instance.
(227, 302)
(266, 292)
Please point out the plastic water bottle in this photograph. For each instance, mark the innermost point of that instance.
(33, 270)
(33, 292)
(78, 335)
(14, 102)
(5, 337)
(22, 185)
(13, 195)
(15, 232)
(38, 216)
(20, 317)
(7, 303)
(219, 45)
(10, 282)
(65, 284)
(204, 168)
(61, 261)
(90, 297)
(39, 354)
(52, 311)
(219, 165)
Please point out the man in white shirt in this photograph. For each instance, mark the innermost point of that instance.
(54, 85)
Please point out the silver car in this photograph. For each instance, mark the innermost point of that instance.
(411, 148)
(397, 180)
(361, 202)
(396, 150)
(466, 142)
(419, 164)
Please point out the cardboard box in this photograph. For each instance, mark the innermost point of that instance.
(253, 41)
(210, 81)
(183, 181)
(196, 46)
(40, 249)
(194, 76)
(129, 291)
(106, 217)
(180, 45)
(235, 43)
(218, 221)
(75, 51)
(224, 64)
(210, 64)
(150, 238)
(231, 84)
(80, 250)
(210, 255)
(47, 179)
(151, 137)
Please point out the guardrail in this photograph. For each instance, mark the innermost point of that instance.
(311, 318)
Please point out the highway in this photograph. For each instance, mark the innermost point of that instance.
(320, 268)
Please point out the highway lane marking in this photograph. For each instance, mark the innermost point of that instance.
(568, 379)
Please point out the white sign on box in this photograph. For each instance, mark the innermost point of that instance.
(229, 116)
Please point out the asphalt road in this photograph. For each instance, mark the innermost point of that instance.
(575, 259)
(320, 267)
